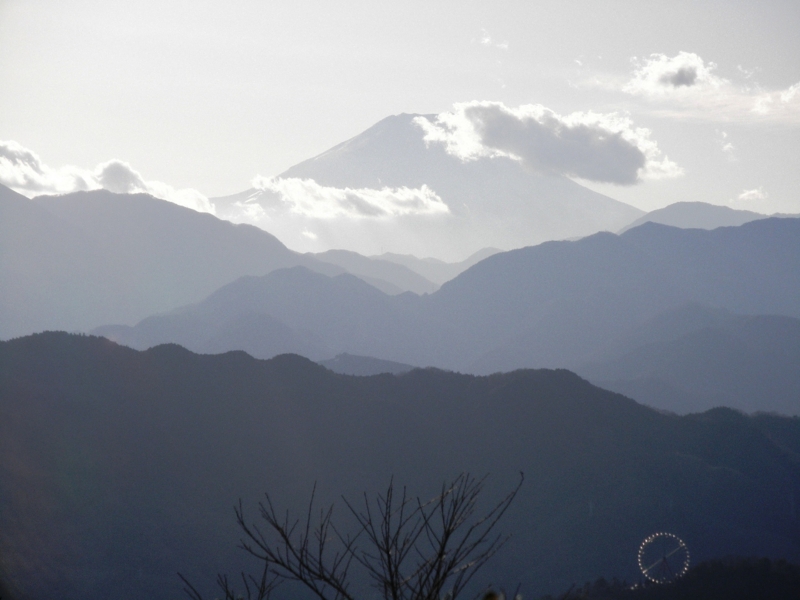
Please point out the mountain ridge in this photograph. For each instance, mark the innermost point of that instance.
(697, 215)
(82, 260)
(553, 305)
(121, 478)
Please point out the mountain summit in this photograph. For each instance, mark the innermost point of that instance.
(390, 190)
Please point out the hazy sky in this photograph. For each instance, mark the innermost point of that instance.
(207, 95)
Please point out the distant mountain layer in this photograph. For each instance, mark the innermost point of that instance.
(561, 302)
(80, 260)
(695, 358)
(553, 305)
(388, 276)
(492, 202)
(398, 273)
(348, 364)
(308, 313)
(121, 468)
(697, 215)
(436, 270)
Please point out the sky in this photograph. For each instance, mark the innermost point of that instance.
(192, 100)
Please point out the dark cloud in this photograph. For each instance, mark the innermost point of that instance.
(119, 177)
(550, 145)
(685, 76)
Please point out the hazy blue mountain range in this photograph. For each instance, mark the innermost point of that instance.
(80, 260)
(121, 468)
(397, 273)
(554, 305)
(436, 270)
(331, 314)
(697, 215)
(580, 295)
(391, 277)
(493, 202)
(76, 261)
(696, 358)
(349, 364)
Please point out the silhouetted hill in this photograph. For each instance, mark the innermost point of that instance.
(696, 215)
(88, 258)
(121, 467)
(348, 364)
(696, 358)
(493, 201)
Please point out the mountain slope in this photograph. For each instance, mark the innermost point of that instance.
(578, 296)
(45, 264)
(349, 364)
(83, 259)
(492, 202)
(696, 215)
(373, 268)
(725, 360)
(121, 468)
(326, 314)
(554, 305)
(436, 270)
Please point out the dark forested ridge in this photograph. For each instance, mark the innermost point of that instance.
(120, 467)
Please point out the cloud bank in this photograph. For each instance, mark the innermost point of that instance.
(22, 170)
(308, 198)
(310, 217)
(586, 145)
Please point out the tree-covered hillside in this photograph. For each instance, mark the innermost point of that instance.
(119, 468)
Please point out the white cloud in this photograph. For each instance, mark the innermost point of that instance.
(309, 217)
(683, 74)
(789, 94)
(486, 40)
(586, 145)
(308, 198)
(762, 104)
(726, 145)
(753, 195)
(23, 171)
(689, 86)
(747, 73)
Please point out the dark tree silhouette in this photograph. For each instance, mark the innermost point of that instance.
(409, 548)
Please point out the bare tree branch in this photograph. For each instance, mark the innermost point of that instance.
(412, 550)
